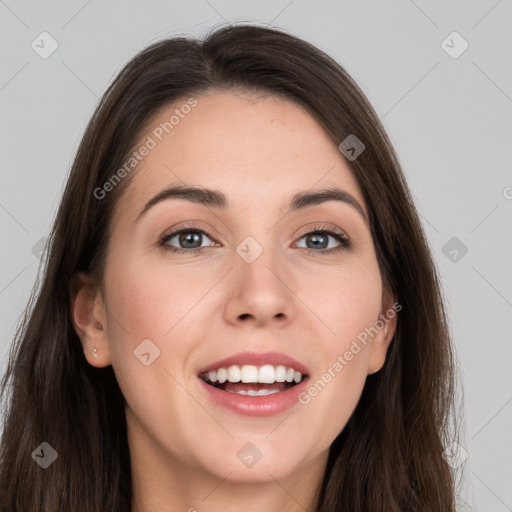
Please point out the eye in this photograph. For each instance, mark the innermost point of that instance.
(319, 237)
(189, 237)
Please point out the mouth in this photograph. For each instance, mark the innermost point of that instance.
(252, 380)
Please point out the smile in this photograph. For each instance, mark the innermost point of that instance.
(252, 380)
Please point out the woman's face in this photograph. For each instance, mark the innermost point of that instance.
(262, 282)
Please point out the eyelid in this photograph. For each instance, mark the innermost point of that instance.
(183, 226)
(323, 227)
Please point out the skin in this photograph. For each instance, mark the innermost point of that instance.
(259, 151)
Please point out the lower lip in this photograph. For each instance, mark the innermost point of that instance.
(267, 405)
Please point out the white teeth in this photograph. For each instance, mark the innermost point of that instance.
(280, 373)
(222, 375)
(252, 392)
(266, 374)
(234, 374)
(249, 373)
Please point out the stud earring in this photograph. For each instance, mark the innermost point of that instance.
(94, 353)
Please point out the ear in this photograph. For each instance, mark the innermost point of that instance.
(88, 315)
(386, 324)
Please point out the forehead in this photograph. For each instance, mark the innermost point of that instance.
(248, 146)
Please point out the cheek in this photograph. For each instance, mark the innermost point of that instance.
(147, 314)
(350, 304)
(346, 301)
(160, 304)
(149, 300)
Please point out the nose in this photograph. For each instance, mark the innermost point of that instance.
(260, 292)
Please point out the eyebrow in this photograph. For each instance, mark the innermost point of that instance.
(215, 199)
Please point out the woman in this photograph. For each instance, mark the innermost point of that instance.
(239, 304)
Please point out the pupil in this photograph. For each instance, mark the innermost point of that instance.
(315, 239)
(187, 237)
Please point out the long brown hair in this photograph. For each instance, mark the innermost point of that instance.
(389, 455)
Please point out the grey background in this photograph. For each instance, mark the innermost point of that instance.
(449, 119)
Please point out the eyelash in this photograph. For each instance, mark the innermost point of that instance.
(346, 244)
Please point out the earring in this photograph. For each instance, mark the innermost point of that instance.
(94, 353)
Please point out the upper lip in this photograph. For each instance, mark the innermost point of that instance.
(257, 359)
